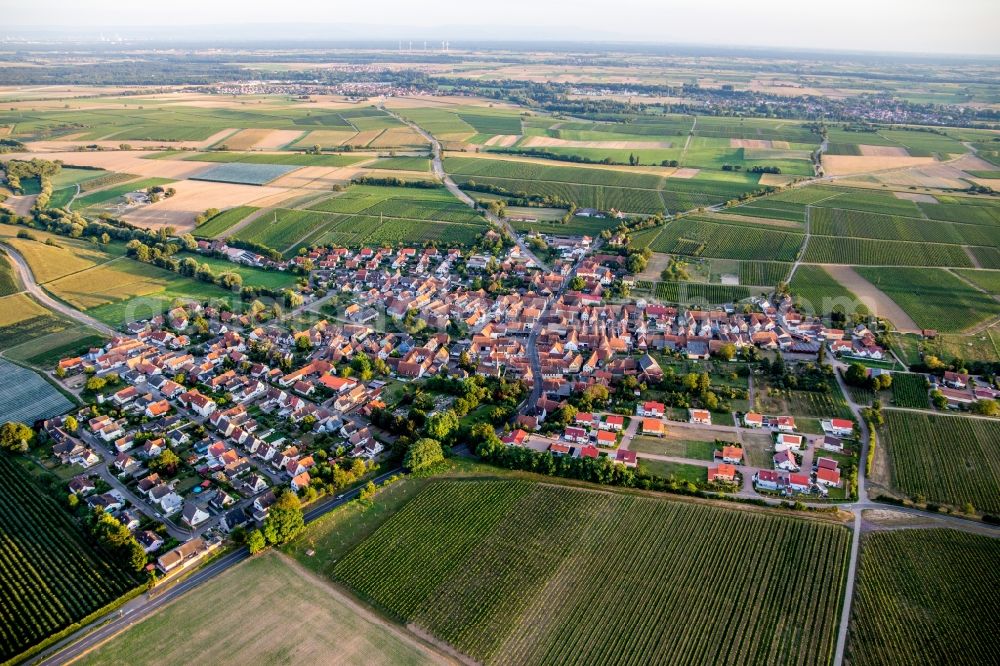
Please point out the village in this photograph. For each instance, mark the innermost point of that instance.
(190, 435)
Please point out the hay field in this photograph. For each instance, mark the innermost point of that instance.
(283, 614)
(915, 197)
(317, 177)
(839, 165)
(504, 140)
(326, 138)
(194, 197)
(882, 151)
(17, 308)
(398, 136)
(262, 139)
(50, 262)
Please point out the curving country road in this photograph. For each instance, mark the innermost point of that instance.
(33, 288)
(438, 168)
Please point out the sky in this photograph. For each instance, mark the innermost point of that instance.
(909, 26)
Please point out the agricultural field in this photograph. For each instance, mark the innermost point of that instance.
(223, 221)
(245, 173)
(944, 459)
(985, 280)
(861, 224)
(27, 397)
(704, 238)
(514, 572)
(933, 298)
(577, 226)
(922, 597)
(109, 195)
(819, 404)
(22, 319)
(700, 293)
(9, 282)
(909, 390)
(273, 590)
(285, 159)
(51, 577)
(870, 252)
(422, 164)
(369, 214)
(818, 292)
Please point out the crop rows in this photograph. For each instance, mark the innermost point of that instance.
(763, 273)
(726, 241)
(987, 215)
(934, 298)
(49, 576)
(861, 224)
(909, 390)
(492, 124)
(584, 196)
(517, 573)
(699, 292)
(870, 252)
(945, 459)
(223, 221)
(922, 597)
(872, 201)
(988, 257)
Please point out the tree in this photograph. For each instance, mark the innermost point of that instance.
(423, 454)
(166, 462)
(577, 283)
(985, 407)
(16, 437)
(285, 520)
(727, 352)
(256, 542)
(70, 423)
(940, 402)
(368, 492)
(856, 375)
(303, 343)
(442, 425)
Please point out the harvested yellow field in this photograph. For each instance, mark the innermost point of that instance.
(882, 151)
(684, 173)
(398, 136)
(944, 176)
(317, 177)
(109, 283)
(753, 143)
(19, 307)
(654, 170)
(122, 161)
(327, 139)
(262, 139)
(110, 143)
(20, 204)
(774, 179)
(50, 262)
(194, 197)
(553, 142)
(839, 165)
(5, 130)
(505, 140)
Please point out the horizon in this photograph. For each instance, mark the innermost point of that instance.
(884, 27)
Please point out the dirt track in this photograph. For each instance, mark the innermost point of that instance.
(875, 299)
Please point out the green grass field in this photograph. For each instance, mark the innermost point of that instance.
(944, 459)
(271, 590)
(922, 597)
(515, 572)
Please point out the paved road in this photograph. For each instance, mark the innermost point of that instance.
(439, 171)
(33, 288)
(141, 607)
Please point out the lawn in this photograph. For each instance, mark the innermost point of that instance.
(923, 596)
(683, 448)
(270, 590)
(944, 459)
(517, 572)
(252, 277)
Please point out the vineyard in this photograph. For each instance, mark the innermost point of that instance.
(922, 597)
(49, 576)
(700, 293)
(764, 273)
(945, 459)
(871, 252)
(221, 222)
(933, 298)
(860, 224)
(701, 238)
(516, 573)
(909, 391)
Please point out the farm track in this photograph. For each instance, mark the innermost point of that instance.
(30, 285)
